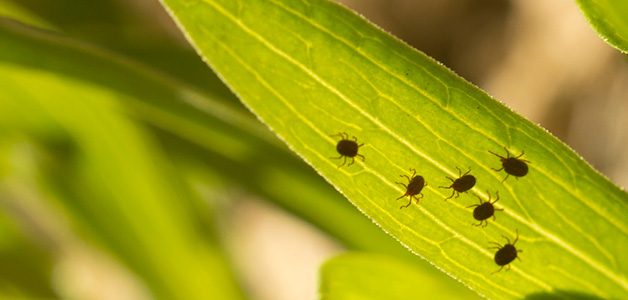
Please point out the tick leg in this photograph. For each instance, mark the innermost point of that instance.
(474, 205)
(520, 155)
(446, 187)
(404, 185)
(498, 169)
(352, 161)
(467, 172)
(360, 145)
(489, 195)
(360, 155)
(343, 163)
(339, 157)
(505, 177)
(507, 153)
(497, 270)
(409, 203)
(406, 176)
(452, 194)
(499, 246)
(497, 154)
(339, 135)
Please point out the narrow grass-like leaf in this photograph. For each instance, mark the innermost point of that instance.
(609, 18)
(310, 69)
(367, 276)
(112, 182)
(16, 11)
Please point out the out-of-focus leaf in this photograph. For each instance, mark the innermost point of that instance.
(13, 10)
(609, 18)
(366, 276)
(24, 267)
(127, 29)
(112, 181)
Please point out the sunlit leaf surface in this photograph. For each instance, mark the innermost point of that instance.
(311, 69)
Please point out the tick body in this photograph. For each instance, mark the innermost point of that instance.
(512, 165)
(414, 187)
(347, 148)
(485, 210)
(460, 185)
(505, 254)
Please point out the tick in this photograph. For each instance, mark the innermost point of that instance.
(505, 254)
(414, 187)
(512, 165)
(462, 184)
(485, 210)
(347, 148)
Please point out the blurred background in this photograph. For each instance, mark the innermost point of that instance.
(538, 57)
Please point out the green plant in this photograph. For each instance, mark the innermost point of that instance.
(117, 148)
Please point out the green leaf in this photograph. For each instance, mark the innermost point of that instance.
(112, 181)
(367, 276)
(310, 69)
(24, 266)
(609, 18)
(16, 11)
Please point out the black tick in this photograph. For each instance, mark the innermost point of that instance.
(347, 148)
(460, 185)
(485, 210)
(414, 187)
(505, 254)
(512, 165)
